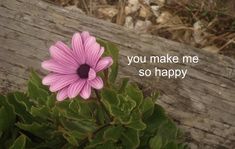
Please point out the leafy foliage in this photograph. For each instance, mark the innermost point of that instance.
(120, 117)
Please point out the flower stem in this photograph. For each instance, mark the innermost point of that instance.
(103, 106)
(106, 77)
(86, 140)
(97, 94)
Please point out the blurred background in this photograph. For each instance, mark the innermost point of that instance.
(205, 24)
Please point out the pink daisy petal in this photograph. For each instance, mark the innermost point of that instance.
(104, 63)
(86, 91)
(75, 88)
(73, 71)
(92, 74)
(50, 78)
(78, 48)
(62, 94)
(89, 42)
(61, 56)
(100, 52)
(64, 81)
(65, 48)
(52, 65)
(96, 83)
(85, 35)
(92, 54)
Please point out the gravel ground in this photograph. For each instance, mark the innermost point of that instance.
(206, 24)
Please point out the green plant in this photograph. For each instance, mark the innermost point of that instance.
(119, 116)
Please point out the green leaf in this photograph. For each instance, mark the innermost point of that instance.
(114, 68)
(83, 109)
(136, 121)
(102, 42)
(109, 96)
(8, 137)
(113, 133)
(123, 117)
(78, 135)
(42, 112)
(153, 123)
(135, 93)
(61, 108)
(155, 142)
(147, 107)
(156, 119)
(130, 138)
(118, 106)
(19, 108)
(70, 138)
(100, 115)
(51, 101)
(83, 126)
(110, 100)
(23, 99)
(123, 85)
(86, 108)
(168, 131)
(32, 90)
(107, 145)
(126, 104)
(97, 139)
(39, 130)
(74, 106)
(111, 50)
(7, 116)
(159, 124)
(34, 77)
(37, 93)
(171, 145)
(19, 143)
(154, 96)
(183, 146)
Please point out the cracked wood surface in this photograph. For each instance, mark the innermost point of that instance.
(203, 103)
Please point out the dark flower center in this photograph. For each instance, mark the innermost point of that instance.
(83, 71)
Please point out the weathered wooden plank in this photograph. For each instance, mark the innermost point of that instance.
(203, 103)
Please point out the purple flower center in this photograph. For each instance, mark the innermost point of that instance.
(83, 71)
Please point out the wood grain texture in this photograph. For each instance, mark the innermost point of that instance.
(203, 103)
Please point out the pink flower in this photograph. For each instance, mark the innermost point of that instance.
(74, 71)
